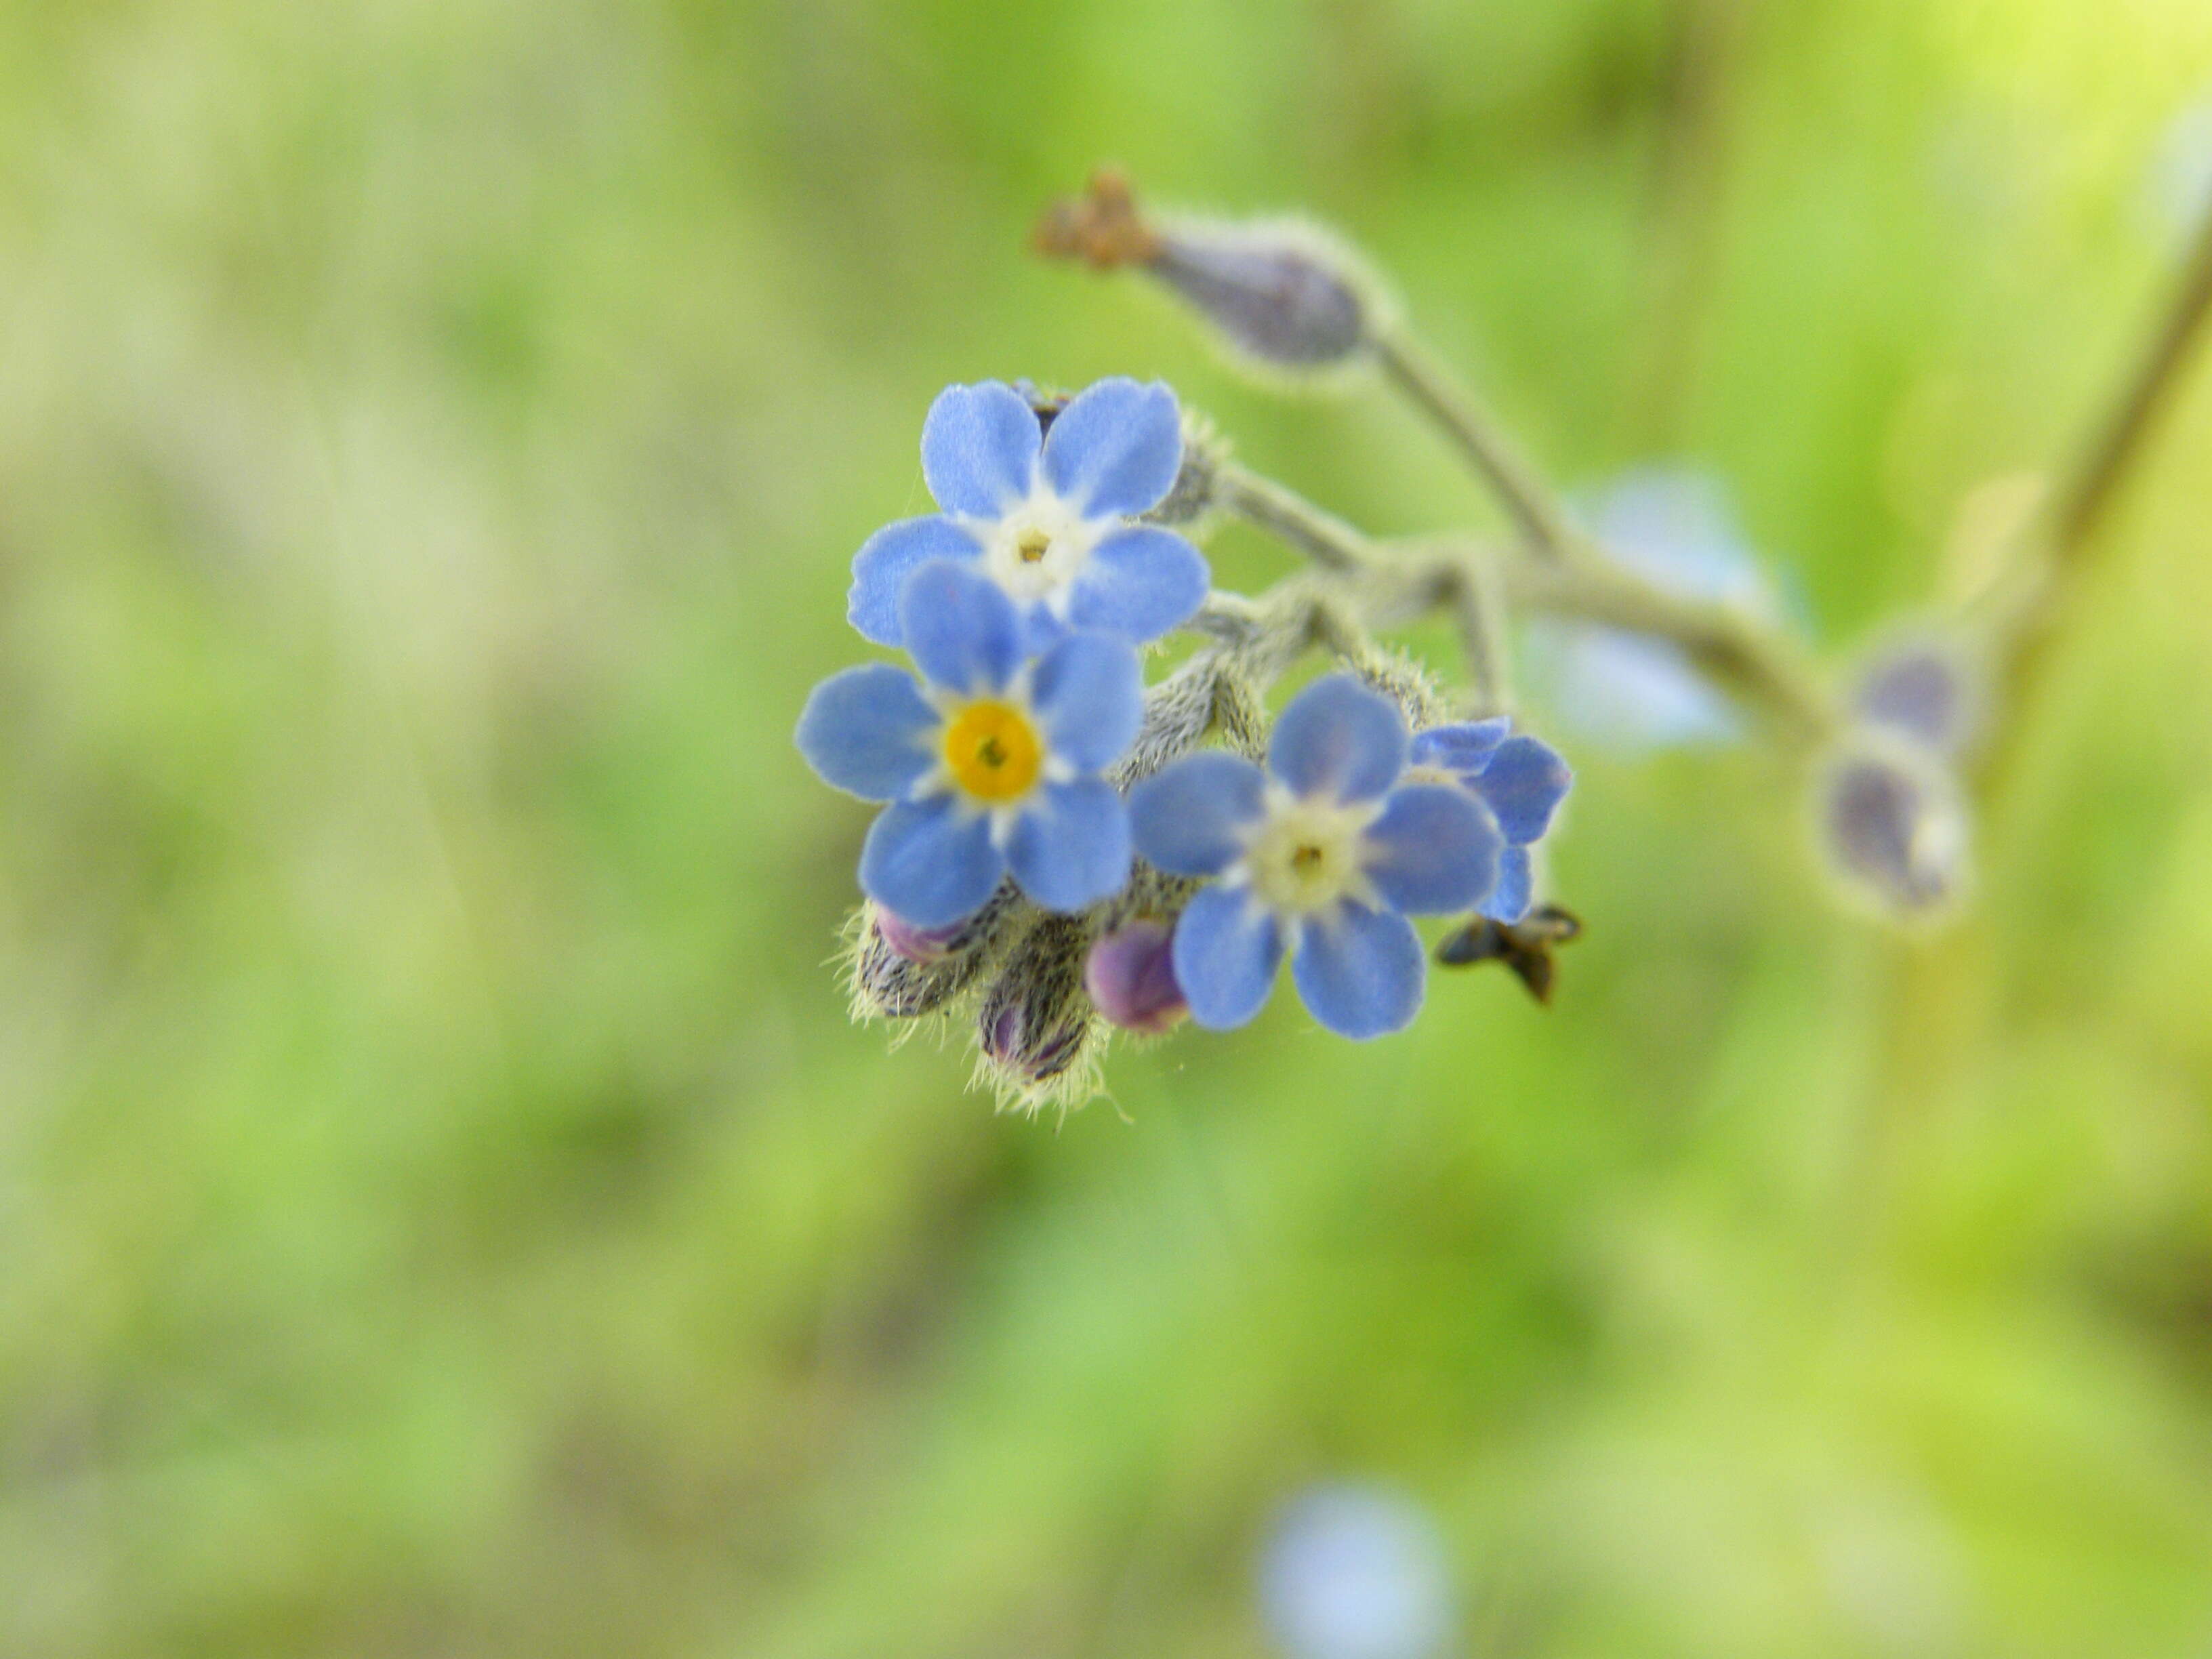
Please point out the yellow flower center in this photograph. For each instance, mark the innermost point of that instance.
(1032, 545)
(993, 751)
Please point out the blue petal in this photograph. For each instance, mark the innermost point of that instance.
(1508, 900)
(1088, 696)
(1628, 689)
(1190, 820)
(1433, 851)
(926, 862)
(960, 628)
(1072, 846)
(867, 731)
(1138, 583)
(1114, 450)
(1524, 783)
(1339, 739)
(979, 448)
(1361, 972)
(887, 558)
(1226, 951)
(1460, 748)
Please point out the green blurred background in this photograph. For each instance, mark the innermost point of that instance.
(443, 1207)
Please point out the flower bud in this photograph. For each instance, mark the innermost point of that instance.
(1893, 826)
(1925, 690)
(1130, 975)
(1033, 1025)
(896, 970)
(1285, 294)
(1281, 292)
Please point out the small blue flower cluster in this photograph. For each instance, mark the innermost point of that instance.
(1325, 854)
(1022, 603)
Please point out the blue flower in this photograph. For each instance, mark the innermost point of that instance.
(1045, 516)
(1358, 1572)
(991, 763)
(1323, 859)
(1673, 527)
(1520, 780)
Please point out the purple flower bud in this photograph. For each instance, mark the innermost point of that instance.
(1035, 1023)
(916, 944)
(1893, 825)
(1923, 689)
(1131, 976)
(1282, 293)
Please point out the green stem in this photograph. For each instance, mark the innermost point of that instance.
(1528, 501)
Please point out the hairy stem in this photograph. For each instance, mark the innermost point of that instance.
(1400, 581)
(1528, 501)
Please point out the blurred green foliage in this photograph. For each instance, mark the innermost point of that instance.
(443, 1207)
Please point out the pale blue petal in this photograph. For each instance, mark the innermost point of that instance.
(1339, 739)
(1088, 696)
(1510, 899)
(887, 558)
(923, 861)
(979, 448)
(1460, 748)
(867, 730)
(1041, 629)
(1138, 583)
(1524, 784)
(1629, 691)
(1434, 851)
(1192, 818)
(1114, 450)
(960, 628)
(1226, 952)
(1361, 972)
(1072, 846)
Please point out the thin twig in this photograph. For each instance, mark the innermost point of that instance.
(2066, 535)
(1325, 539)
(1528, 501)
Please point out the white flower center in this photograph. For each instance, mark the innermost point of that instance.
(1305, 857)
(1039, 546)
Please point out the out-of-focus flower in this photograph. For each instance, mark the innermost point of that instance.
(1320, 857)
(1671, 527)
(1353, 1572)
(1047, 517)
(1926, 689)
(2181, 173)
(1520, 779)
(1893, 825)
(990, 763)
(1131, 977)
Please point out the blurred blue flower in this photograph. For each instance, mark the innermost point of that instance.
(1352, 1572)
(1520, 779)
(991, 763)
(1671, 527)
(2181, 173)
(1323, 859)
(1046, 517)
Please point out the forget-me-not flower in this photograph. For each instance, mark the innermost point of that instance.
(1358, 1572)
(1323, 855)
(990, 762)
(1046, 516)
(1520, 779)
